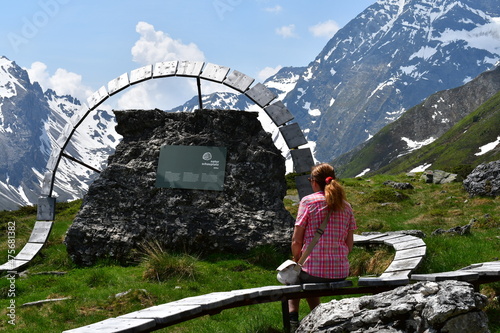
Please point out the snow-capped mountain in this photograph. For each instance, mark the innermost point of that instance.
(389, 58)
(30, 124)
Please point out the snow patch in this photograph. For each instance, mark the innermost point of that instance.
(421, 168)
(414, 145)
(364, 172)
(488, 147)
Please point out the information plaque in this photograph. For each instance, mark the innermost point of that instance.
(191, 167)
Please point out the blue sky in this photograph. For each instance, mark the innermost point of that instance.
(75, 47)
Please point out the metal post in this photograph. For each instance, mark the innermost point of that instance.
(286, 314)
(200, 103)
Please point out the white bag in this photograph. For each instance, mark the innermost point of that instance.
(288, 272)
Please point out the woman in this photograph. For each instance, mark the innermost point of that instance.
(328, 260)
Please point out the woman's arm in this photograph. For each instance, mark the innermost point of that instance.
(297, 242)
(350, 240)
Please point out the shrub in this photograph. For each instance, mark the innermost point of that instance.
(162, 266)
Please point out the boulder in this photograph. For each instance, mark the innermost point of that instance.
(484, 180)
(439, 177)
(123, 209)
(448, 306)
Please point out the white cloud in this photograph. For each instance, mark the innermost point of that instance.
(155, 46)
(268, 72)
(325, 29)
(62, 81)
(287, 31)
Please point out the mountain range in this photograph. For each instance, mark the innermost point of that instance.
(382, 64)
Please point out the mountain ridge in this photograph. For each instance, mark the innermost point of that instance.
(419, 126)
(391, 57)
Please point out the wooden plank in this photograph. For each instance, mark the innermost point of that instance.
(396, 275)
(386, 238)
(210, 301)
(55, 156)
(79, 115)
(117, 325)
(238, 81)
(189, 68)
(404, 265)
(278, 113)
(293, 135)
(453, 275)
(215, 73)
(409, 244)
(47, 180)
(13, 265)
(361, 239)
(141, 74)
(326, 286)
(166, 313)
(165, 69)
(302, 160)
(118, 84)
(260, 94)
(303, 186)
(65, 134)
(247, 293)
(403, 238)
(382, 281)
(488, 270)
(97, 97)
(40, 232)
(284, 289)
(46, 209)
(29, 251)
(410, 253)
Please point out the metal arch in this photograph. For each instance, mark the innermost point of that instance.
(302, 159)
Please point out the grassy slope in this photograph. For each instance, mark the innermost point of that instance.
(456, 147)
(92, 290)
(459, 145)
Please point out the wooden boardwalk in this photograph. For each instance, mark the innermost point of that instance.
(39, 236)
(410, 251)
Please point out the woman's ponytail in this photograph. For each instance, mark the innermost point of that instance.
(324, 175)
(335, 196)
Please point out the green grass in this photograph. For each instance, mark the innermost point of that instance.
(160, 276)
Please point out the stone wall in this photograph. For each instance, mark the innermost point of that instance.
(123, 209)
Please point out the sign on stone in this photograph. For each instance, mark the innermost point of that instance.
(191, 167)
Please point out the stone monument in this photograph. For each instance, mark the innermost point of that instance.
(124, 208)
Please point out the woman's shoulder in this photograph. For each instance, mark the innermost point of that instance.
(314, 197)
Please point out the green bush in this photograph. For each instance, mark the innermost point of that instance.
(161, 266)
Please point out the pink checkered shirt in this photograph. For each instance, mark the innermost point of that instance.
(329, 257)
